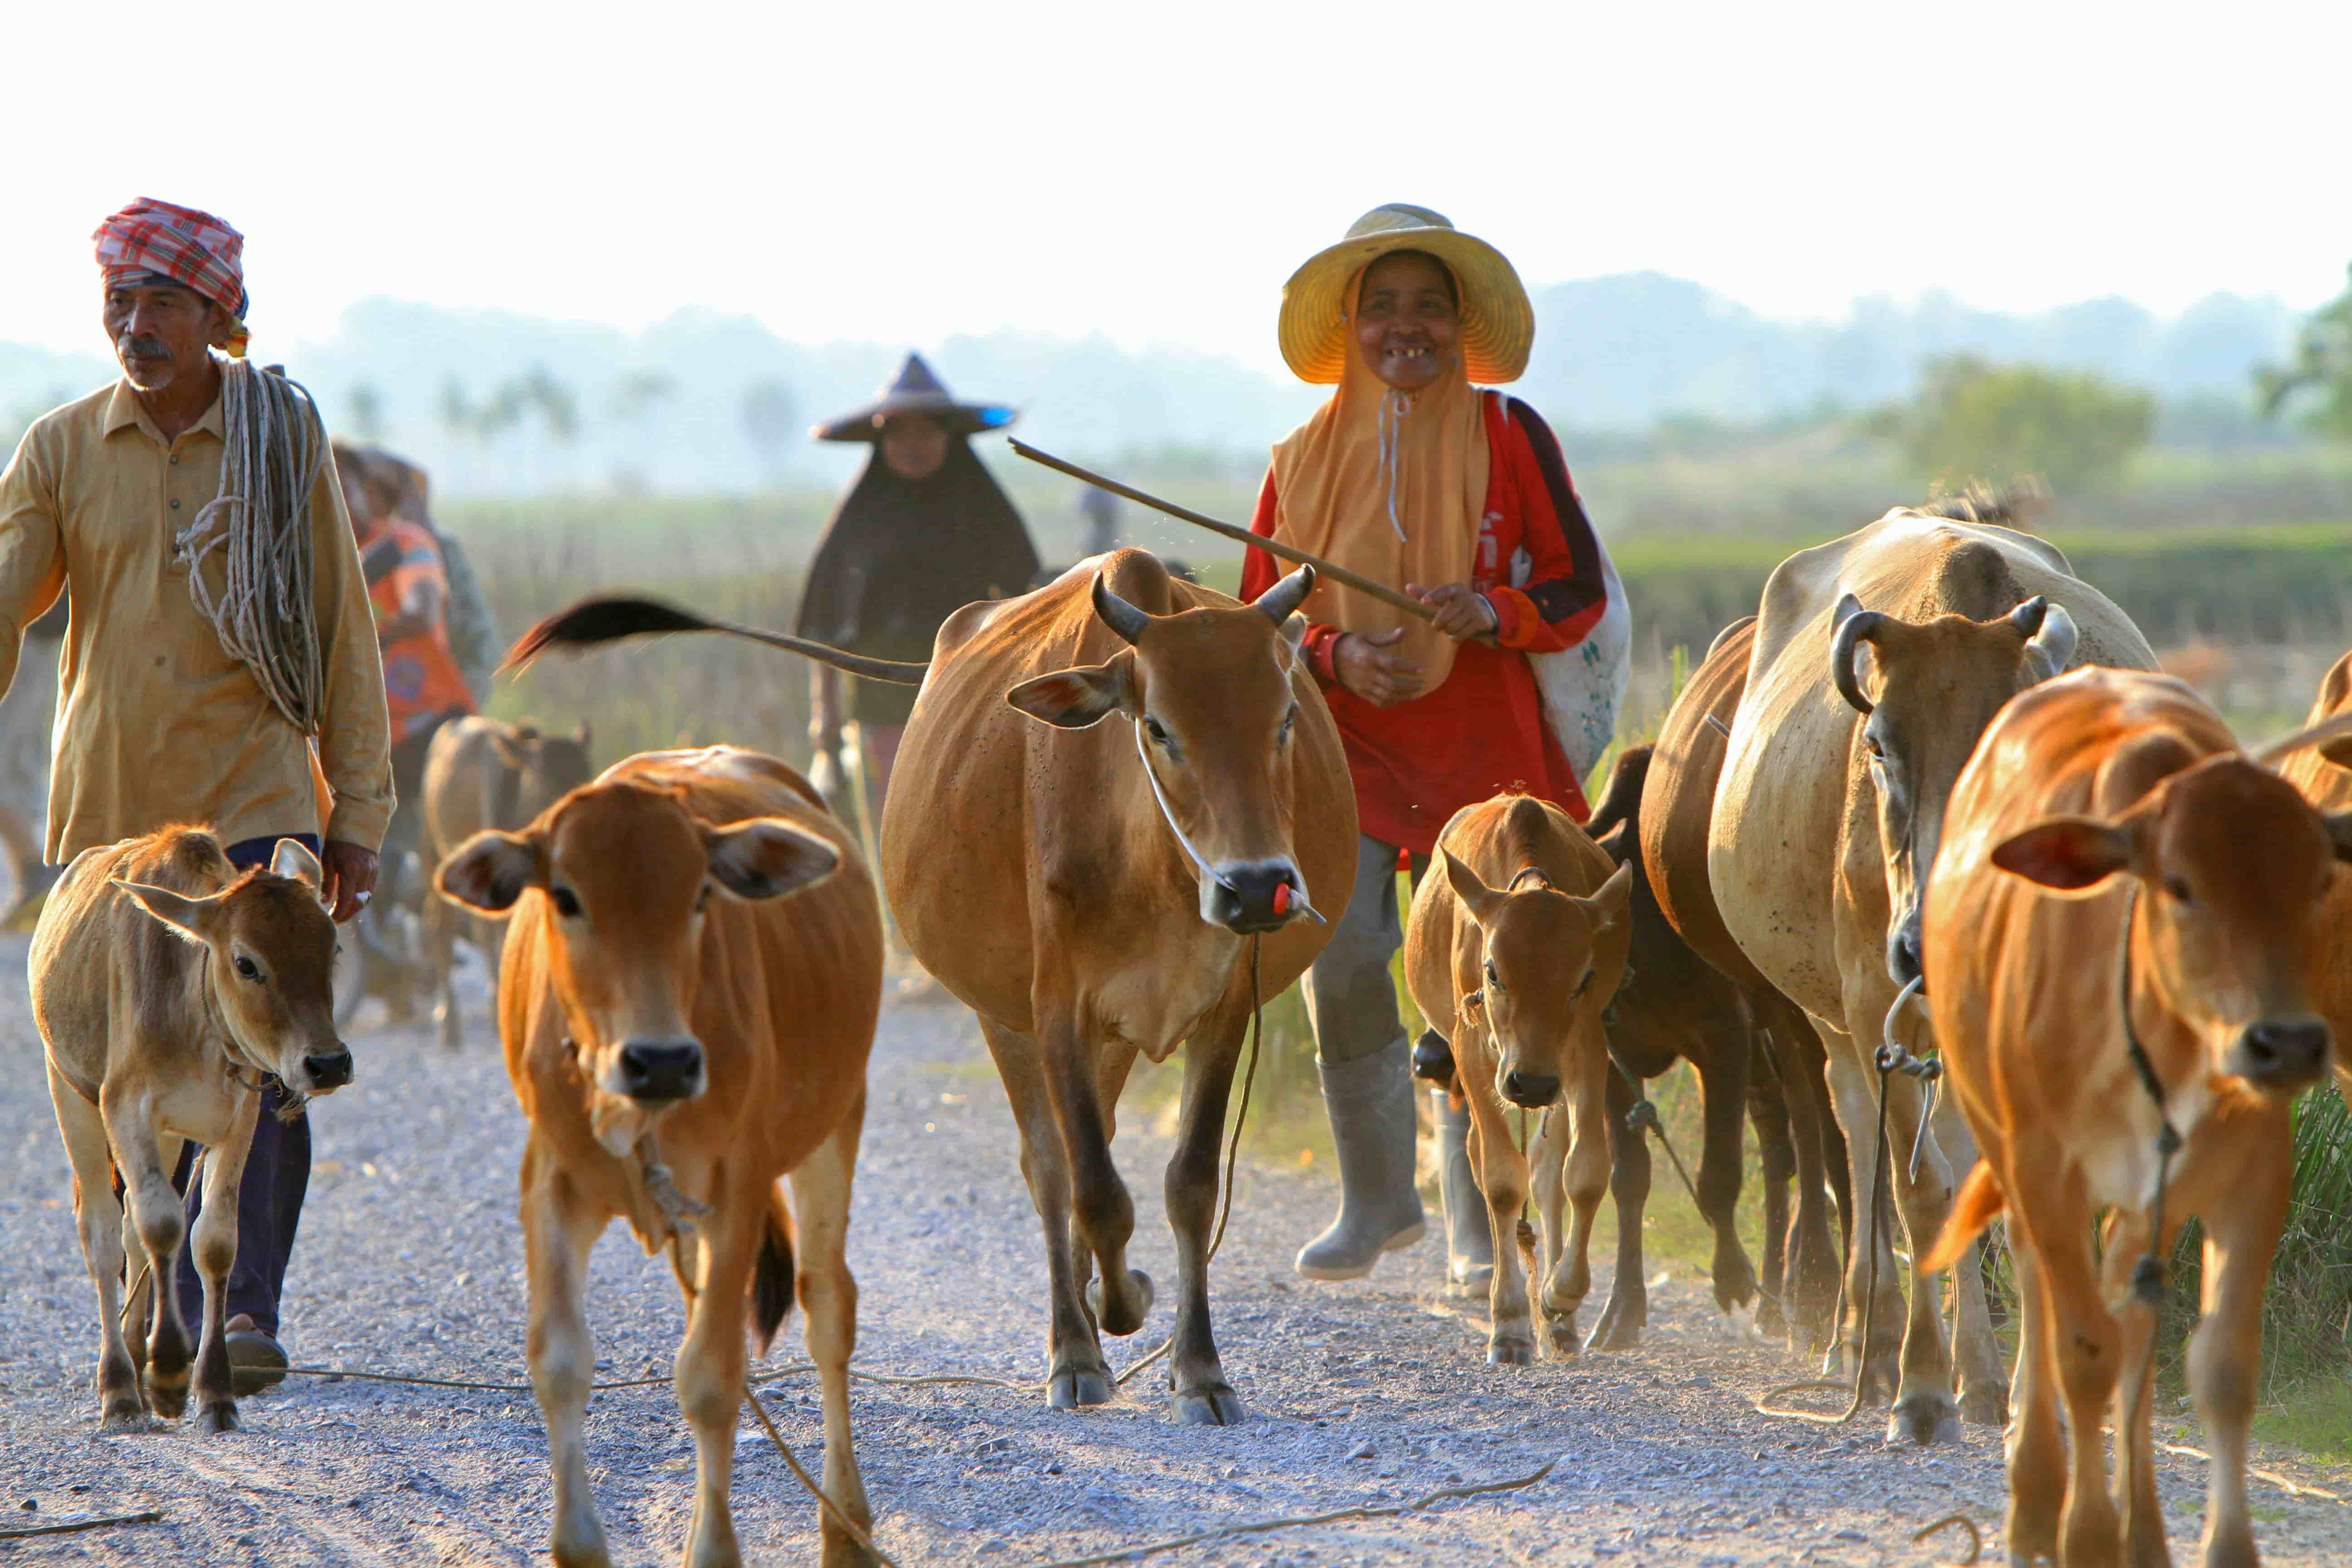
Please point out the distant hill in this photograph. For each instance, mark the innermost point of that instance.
(705, 402)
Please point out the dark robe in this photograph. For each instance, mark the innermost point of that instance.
(900, 556)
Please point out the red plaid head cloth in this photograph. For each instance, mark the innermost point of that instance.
(188, 246)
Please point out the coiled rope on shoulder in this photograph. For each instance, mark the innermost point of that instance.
(276, 446)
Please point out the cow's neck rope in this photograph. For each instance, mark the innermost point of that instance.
(2148, 1274)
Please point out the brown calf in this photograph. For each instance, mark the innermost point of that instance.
(2120, 930)
(480, 774)
(1517, 948)
(2324, 774)
(166, 986)
(680, 1034)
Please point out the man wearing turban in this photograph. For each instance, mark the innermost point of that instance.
(166, 716)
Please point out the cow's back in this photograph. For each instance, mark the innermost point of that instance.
(95, 953)
(462, 770)
(789, 988)
(1678, 801)
(1793, 803)
(985, 800)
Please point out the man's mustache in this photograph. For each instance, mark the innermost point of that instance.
(143, 347)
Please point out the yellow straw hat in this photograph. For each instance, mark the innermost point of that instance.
(1499, 324)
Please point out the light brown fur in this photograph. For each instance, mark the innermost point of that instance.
(675, 860)
(1031, 872)
(2324, 774)
(146, 1013)
(2098, 792)
(1521, 976)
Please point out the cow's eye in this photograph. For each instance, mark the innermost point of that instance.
(2179, 887)
(1288, 719)
(567, 902)
(1582, 985)
(1870, 744)
(1492, 979)
(246, 969)
(1152, 727)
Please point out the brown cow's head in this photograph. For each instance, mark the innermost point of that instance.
(2232, 866)
(1546, 974)
(627, 872)
(1939, 684)
(545, 768)
(1211, 694)
(270, 957)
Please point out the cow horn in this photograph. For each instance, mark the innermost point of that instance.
(1282, 601)
(1117, 612)
(2051, 647)
(1855, 624)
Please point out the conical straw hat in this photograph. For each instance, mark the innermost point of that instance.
(1499, 324)
(916, 391)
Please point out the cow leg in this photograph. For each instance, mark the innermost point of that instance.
(558, 1231)
(1203, 1397)
(1105, 1213)
(2037, 1453)
(828, 1295)
(1983, 1391)
(1767, 1111)
(1113, 1061)
(215, 1253)
(2242, 1238)
(1925, 1411)
(708, 1372)
(1723, 1103)
(161, 1226)
(1812, 1288)
(1854, 1088)
(98, 1216)
(2088, 1340)
(1584, 1120)
(1502, 1175)
(1077, 1372)
(1628, 1312)
(1546, 1152)
(2120, 1250)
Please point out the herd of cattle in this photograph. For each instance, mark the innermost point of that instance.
(2133, 949)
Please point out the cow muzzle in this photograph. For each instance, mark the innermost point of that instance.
(1263, 896)
(328, 1070)
(1903, 961)
(1532, 1090)
(2280, 1056)
(656, 1072)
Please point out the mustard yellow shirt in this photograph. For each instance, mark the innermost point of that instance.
(156, 722)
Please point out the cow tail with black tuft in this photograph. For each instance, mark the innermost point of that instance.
(771, 1277)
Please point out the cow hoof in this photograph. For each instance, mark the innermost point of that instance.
(1211, 1404)
(218, 1416)
(168, 1402)
(1985, 1405)
(1562, 1336)
(1073, 1389)
(1143, 1293)
(1922, 1419)
(1616, 1331)
(1510, 1352)
(124, 1413)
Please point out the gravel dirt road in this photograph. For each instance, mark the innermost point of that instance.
(1372, 1393)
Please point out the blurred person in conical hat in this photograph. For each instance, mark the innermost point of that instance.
(174, 705)
(472, 626)
(924, 531)
(1416, 476)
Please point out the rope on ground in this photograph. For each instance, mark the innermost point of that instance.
(856, 1531)
(1300, 1522)
(1949, 1521)
(89, 1521)
(2293, 1489)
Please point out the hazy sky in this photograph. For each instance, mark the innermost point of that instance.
(859, 170)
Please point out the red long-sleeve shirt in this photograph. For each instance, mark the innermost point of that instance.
(1482, 731)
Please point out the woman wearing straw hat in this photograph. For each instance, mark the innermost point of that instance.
(1414, 477)
(922, 533)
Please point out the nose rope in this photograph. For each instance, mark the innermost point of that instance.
(1394, 406)
(1297, 885)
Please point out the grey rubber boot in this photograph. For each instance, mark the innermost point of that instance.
(1469, 1236)
(1369, 1101)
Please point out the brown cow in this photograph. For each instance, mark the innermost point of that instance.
(165, 987)
(480, 774)
(2324, 774)
(1094, 890)
(1677, 806)
(1518, 947)
(2120, 930)
(680, 1034)
(1878, 659)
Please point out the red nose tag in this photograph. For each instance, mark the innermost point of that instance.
(1282, 898)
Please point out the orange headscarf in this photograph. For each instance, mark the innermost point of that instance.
(1390, 487)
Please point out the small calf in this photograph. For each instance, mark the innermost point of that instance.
(1517, 948)
(166, 986)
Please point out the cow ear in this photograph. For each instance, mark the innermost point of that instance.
(2339, 832)
(1075, 699)
(489, 871)
(292, 860)
(191, 919)
(1608, 904)
(2066, 853)
(2337, 751)
(1480, 899)
(767, 857)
